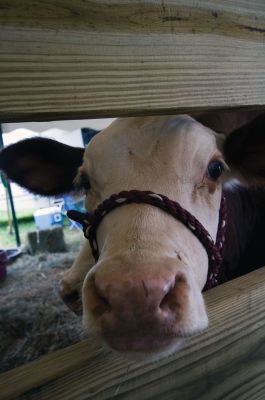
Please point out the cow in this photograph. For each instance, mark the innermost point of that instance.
(142, 291)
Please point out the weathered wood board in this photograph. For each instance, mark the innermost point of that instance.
(225, 362)
(69, 59)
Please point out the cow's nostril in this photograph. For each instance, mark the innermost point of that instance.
(100, 302)
(71, 297)
(176, 295)
(73, 301)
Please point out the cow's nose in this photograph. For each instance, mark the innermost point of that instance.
(131, 312)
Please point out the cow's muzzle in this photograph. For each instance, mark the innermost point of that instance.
(141, 312)
(91, 221)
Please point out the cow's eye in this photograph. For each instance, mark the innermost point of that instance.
(85, 182)
(215, 169)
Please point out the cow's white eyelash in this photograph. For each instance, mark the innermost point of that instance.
(82, 182)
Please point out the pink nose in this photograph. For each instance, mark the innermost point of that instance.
(137, 313)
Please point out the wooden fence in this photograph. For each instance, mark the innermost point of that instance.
(225, 362)
(72, 58)
(68, 59)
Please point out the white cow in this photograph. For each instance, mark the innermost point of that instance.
(144, 293)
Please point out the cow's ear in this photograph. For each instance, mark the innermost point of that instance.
(244, 151)
(43, 166)
(226, 121)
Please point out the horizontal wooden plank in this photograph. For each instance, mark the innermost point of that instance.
(64, 59)
(225, 362)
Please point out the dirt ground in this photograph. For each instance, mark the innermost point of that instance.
(33, 318)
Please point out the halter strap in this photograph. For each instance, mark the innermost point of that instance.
(91, 221)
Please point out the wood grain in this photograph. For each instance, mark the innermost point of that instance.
(225, 362)
(64, 59)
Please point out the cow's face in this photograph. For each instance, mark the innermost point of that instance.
(144, 293)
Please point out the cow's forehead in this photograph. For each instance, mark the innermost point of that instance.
(178, 139)
(143, 132)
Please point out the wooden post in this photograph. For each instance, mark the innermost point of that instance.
(224, 362)
(78, 59)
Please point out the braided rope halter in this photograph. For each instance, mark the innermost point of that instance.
(91, 221)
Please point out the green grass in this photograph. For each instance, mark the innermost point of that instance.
(22, 216)
(26, 224)
(8, 240)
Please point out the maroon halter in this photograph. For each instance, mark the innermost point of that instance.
(91, 221)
